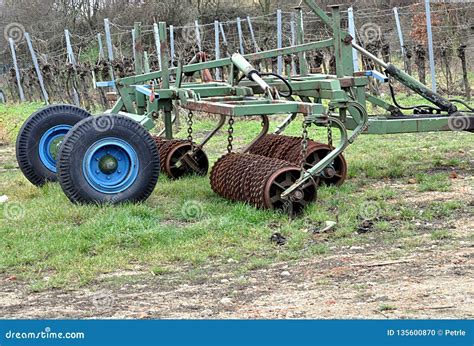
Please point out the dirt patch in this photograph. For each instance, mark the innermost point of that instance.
(434, 283)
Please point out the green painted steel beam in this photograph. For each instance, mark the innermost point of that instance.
(140, 79)
(383, 125)
(319, 12)
(144, 120)
(381, 103)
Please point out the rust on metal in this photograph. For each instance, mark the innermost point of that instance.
(289, 148)
(260, 181)
(178, 158)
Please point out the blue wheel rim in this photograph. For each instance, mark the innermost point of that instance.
(49, 145)
(123, 170)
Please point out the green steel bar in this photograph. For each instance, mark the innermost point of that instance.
(140, 79)
(383, 125)
(336, 29)
(165, 73)
(117, 106)
(420, 89)
(325, 89)
(410, 82)
(381, 103)
(146, 62)
(319, 167)
(319, 12)
(127, 97)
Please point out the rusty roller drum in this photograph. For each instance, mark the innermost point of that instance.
(259, 181)
(176, 160)
(289, 148)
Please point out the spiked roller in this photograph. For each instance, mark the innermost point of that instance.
(177, 158)
(289, 148)
(259, 181)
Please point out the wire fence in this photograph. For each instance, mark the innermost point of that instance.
(70, 75)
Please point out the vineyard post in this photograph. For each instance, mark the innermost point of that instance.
(224, 39)
(217, 45)
(279, 42)
(17, 70)
(101, 47)
(134, 52)
(300, 40)
(252, 34)
(146, 66)
(241, 36)
(72, 61)
(430, 45)
(138, 47)
(198, 35)
(400, 37)
(226, 51)
(171, 46)
(168, 105)
(355, 56)
(70, 53)
(38, 71)
(156, 34)
(293, 42)
(462, 56)
(110, 50)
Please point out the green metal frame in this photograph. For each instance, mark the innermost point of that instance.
(340, 89)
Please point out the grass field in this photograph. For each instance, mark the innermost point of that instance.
(47, 242)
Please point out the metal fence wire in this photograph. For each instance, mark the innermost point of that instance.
(68, 74)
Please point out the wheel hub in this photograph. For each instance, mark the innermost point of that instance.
(49, 144)
(111, 165)
(108, 164)
(329, 172)
(54, 147)
(297, 196)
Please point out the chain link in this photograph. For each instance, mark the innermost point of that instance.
(190, 127)
(329, 129)
(304, 146)
(230, 132)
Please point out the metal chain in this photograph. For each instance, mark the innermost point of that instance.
(329, 129)
(230, 133)
(304, 146)
(190, 127)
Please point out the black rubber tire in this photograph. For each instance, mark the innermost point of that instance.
(87, 132)
(27, 142)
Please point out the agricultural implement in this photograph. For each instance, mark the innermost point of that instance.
(113, 158)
